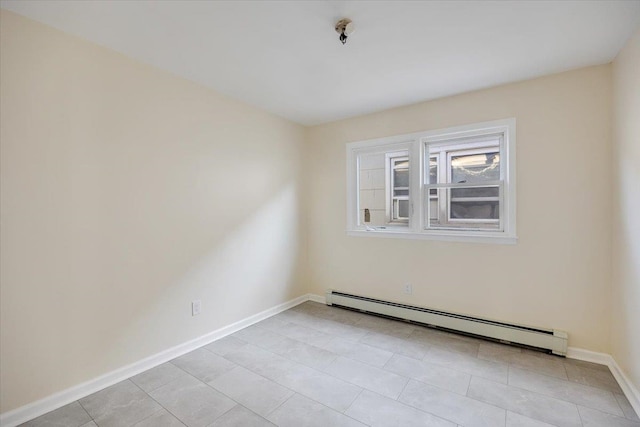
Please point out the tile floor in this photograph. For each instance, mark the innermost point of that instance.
(322, 366)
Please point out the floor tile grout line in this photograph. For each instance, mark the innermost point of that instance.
(211, 387)
(466, 393)
(492, 404)
(161, 405)
(84, 409)
(637, 417)
(354, 400)
(624, 418)
(159, 410)
(318, 370)
(242, 404)
(580, 415)
(431, 413)
(579, 384)
(486, 403)
(293, 392)
(397, 399)
(428, 365)
(177, 379)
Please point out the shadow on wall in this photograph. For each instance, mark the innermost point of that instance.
(252, 267)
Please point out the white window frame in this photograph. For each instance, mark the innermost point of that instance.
(417, 145)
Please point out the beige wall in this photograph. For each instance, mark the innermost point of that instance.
(626, 228)
(558, 275)
(126, 194)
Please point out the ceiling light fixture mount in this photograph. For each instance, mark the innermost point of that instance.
(345, 28)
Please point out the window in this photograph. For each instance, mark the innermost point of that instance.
(451, 184)
(398, 197)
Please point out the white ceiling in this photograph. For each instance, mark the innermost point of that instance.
(285, 57)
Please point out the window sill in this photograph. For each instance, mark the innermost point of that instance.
(437, 235)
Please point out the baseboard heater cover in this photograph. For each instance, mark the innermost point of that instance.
(548, 339)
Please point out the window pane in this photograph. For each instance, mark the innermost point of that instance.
(475, 167)
(433, 173)
(433, 213)
(403, 208)
(401, 178)
(399, 194)
(475, 210)
(475, 192)
(371, 190)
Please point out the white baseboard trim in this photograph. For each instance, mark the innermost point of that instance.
(64, 397)
(630, 391)
(317, 298)
(589, 356)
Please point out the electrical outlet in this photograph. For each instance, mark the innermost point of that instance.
(196, 307)
(408, 288)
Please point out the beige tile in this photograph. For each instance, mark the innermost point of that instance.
(270, 365)
(71, 415)
(517, 420)
(306, 354)
(626, 407)
(526, 359)
(332, 392)
(489, 348)
(160, 419)
(203, 364)
(366, 376)
(524, 402)
(406, 347)
(594, 418)
(495, 371)
(259, 336)
(448, 341)
(593, 377)
(452, 406)
(251, 390)
(121, 404)
(358, 351)
(240, 416)
(375, 410)
(568, 391)
(158, 376)
(445, 378)
(302, 333)
(299, 411)
(192, 402)
(225, 345)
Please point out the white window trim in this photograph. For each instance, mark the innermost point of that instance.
(417, 145)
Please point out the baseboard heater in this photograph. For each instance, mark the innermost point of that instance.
(551, 340)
